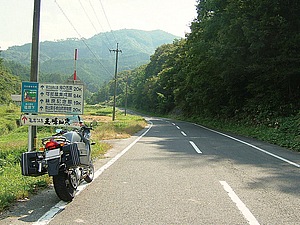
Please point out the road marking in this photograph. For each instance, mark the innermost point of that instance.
(195, 147)
(184, 134)
(113, 160)
(178, 127)
(253, 146)
(173, 124)
(240, 205)
(48, 216)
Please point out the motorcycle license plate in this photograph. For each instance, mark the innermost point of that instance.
(52, 154)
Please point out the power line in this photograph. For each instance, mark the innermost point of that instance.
(89, 18)
(82, 39)
(98, 20)
(68, 19)
(87, 15)
(108, 21)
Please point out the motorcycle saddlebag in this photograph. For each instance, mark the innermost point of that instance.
(30, 163)
(71, 155)
(84, 154)
(75, 154)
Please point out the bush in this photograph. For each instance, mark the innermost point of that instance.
(282, 131)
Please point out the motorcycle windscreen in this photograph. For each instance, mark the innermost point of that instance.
(72, 136)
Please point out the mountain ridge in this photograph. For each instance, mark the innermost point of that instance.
(95, 63)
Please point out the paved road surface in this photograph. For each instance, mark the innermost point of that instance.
(182, 173)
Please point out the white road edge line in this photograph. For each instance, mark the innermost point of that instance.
(240, 205)
(48, 216)
(253, 146)
(195, 147)
(178, 127)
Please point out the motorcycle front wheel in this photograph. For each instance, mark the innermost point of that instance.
(90, 174)
(65, 186)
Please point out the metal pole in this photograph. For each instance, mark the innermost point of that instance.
(75, 59)
(34, 72)
(126, 95)
(115, 84)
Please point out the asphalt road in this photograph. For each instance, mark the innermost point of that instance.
(182, 173)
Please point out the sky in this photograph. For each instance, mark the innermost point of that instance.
(62, 19)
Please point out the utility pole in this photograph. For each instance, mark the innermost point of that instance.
(116, 72)
(126, 94)
(34, 72)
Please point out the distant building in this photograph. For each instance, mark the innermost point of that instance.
(17, 99)
(71, 80)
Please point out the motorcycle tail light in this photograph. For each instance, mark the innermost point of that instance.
(52, 145)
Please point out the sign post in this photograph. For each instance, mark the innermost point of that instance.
(34, 71)
(75, 59)
(37, 120)
(40, 98)
(52, 98)
(29, 97)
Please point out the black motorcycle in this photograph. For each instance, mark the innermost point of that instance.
(66, 157)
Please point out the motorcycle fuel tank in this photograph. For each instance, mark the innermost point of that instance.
(72, 136)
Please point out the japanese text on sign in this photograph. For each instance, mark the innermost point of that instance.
(29, 97)
(59, 98)
(35, 120)
(52, 98)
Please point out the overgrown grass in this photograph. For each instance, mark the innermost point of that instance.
(13, 142)
(282, 131)
(9, 116)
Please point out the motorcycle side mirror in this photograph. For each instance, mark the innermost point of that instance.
(93, 143)
(58, 131)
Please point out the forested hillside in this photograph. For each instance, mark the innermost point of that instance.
(9, 84)
(241, 56)
(241, 62)
(95, 63)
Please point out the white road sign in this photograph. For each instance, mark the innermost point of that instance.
(37, 120)
(60, 99)
(52, 98)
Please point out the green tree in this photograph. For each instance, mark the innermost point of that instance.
(9, 84)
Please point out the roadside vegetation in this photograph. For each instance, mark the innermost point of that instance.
(237, 70)
(13, 142)
(281, 131)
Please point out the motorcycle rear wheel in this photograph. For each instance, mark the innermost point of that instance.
(65, 186)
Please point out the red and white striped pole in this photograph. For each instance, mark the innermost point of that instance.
(75, 59)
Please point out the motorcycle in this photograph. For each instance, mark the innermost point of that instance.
(66, 156)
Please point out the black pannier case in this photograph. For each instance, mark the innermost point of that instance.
(76, 154)
(30, 164)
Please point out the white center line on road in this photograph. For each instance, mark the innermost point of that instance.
(184, 134)
(253, 146)
(195, 147)
(178, 127)
(240, 205)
